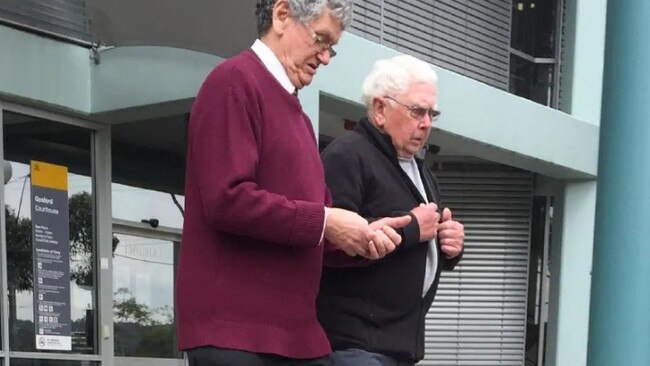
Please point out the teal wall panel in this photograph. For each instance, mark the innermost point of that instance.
(44, 71)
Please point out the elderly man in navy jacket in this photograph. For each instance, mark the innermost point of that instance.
(373, 311)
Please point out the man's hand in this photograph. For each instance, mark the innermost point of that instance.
(351, 233)
(383, 238)
(347, 231)
(428, 219)
(451, 235)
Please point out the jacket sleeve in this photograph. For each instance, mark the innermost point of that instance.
(224, 137)
(345, 184)
(344, 176)
(410, 233)
(450, 264)
(344, 173)
(338, 258)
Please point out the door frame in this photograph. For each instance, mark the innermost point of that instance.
(101, 183)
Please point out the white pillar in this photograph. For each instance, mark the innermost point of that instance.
(583, 59)
(571, 261)
(310, 101)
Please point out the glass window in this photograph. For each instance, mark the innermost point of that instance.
(148, 159)
(532, 80)
(534, 27)
(534, 42)
(137, 204)
(27, 362)
(28, 139)
(143, 297)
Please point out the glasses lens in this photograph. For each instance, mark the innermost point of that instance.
(417, 112)
(325, 46)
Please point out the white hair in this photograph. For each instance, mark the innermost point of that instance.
(394, 75)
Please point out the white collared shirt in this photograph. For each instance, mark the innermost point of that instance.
(272, 63)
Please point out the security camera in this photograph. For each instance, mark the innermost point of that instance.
(153, 222)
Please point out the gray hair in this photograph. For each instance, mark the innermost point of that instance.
(394, 75)
(303, 11)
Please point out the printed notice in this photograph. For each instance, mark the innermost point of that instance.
(51, 254)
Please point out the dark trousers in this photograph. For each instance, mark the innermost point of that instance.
(358, 357)
(211, 356)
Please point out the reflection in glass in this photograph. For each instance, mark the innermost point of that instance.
(25, 139)
(135, 204)
(531, 81)
(534, 27)
(143, 298)
(148, 170)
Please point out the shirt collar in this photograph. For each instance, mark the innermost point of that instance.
(272, 63)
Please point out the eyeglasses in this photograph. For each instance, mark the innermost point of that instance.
(320, 42)
(417, 112)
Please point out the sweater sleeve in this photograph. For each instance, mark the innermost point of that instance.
(224, 149)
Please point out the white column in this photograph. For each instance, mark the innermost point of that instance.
(310, 100)
(571, 261)
(583, 59)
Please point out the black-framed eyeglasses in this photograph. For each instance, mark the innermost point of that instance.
(320, 42)
(417, 112)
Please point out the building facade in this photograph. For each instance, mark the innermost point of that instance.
(100, 92)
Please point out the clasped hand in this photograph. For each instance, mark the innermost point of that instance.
(450, 233)
(353, 234)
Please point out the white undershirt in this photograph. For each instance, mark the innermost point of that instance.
(410, 167)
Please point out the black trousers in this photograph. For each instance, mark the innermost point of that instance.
(211, 356)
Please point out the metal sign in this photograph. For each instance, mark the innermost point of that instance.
(51, 255)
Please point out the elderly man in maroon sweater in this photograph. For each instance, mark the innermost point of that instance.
(256, 215)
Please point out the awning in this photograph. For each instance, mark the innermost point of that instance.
(220, 27)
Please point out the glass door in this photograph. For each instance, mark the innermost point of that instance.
(144, 267)
(49, 240)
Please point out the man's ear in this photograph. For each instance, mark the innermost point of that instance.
(281, 16)
(379, 111)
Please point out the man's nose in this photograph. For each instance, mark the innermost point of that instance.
(426, 121)
(324, 57)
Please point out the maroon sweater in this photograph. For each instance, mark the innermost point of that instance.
(250, 261)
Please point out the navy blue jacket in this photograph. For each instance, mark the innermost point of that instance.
(377, 307)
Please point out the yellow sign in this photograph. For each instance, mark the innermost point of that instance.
(48, 175)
